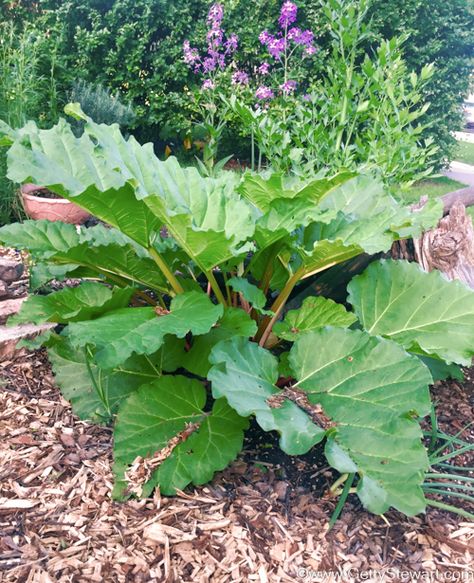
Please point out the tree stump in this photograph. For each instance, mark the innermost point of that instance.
(450, 247)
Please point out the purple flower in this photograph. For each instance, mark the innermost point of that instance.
(288, 87)
(214, 37)
(288, 14)
(310, 50)
(208, 84)
(191, 55)
(240, 78)
(232, 43)
(276, 47)
(305, 38)
(265, 37)
(264, 93)
(294, 34)
(307, 97)
(215, 15)
(264, 69)
(209, 64)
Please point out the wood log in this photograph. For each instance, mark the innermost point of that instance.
(465, 196)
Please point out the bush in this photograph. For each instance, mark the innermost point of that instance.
(440, 32)
(98, 103)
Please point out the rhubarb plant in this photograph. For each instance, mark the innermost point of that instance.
(178, 333)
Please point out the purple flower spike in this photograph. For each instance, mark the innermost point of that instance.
(310, 50)
(191, 55)
(209, 64)
(264, 69)
(295, 34)
(263, 93)
(208, 84)
(288, 87)
(232, 43)
(305, 38)
(215, 15)
(240, 78)
(288, 14)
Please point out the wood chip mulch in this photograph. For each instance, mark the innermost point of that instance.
(58, 522)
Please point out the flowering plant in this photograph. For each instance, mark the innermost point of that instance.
(285, 49)
(213, 66)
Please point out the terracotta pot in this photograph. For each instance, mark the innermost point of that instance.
(51, 209)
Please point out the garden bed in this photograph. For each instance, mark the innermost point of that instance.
(58, 521)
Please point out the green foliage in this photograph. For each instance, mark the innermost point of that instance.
(207, 299)
(98, 103)
(364, 109)
(440, 32)
(23, 93)
(134, 47)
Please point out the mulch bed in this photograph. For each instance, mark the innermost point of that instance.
(256, 522)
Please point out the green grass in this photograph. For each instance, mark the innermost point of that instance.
(433, 188)
(465, 152)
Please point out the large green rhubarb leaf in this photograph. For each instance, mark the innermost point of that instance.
(422, 311)
(205, 215)
(95, 393)
(84, 302)
(127, 186)
(362, 391)
(245, 374)
(99, 171)
(367, 219)
(372, 390)
(235, 322)
(315, 312)
(165, 424)
(96, 250)
(119, 334)
(288, 204)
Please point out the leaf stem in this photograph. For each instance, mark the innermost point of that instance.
(98, 389)
(267, 323)
(170, 276)
(215, 287)
(338, 483)
(348, 479)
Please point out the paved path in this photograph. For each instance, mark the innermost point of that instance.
(461, 172)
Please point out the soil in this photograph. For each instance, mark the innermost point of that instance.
(264, 519)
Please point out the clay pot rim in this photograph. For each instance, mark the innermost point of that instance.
(45, 199)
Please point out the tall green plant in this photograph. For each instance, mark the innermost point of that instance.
(366, 109)
(207, 299)
(25, 93)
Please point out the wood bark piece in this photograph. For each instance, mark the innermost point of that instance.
(450, 247)
(10, 270)
(9, 337)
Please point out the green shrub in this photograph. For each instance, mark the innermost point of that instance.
(99, 104)
(440, 32)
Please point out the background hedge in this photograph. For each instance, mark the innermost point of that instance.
(135, 47)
